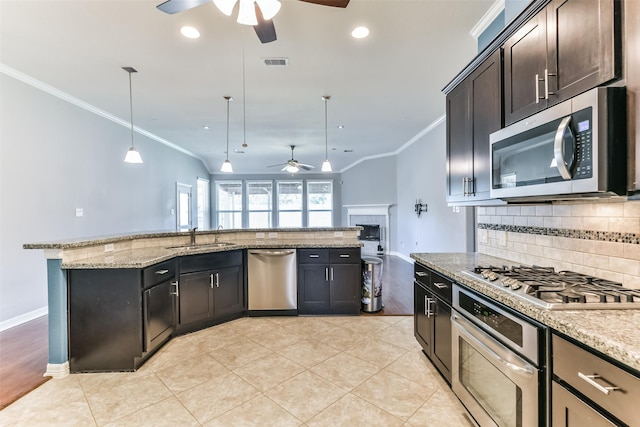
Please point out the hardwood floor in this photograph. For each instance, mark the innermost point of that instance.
(24, 348)
(24, 353)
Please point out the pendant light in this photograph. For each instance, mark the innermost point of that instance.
(226, 165)
(132, 155)
(326, 166)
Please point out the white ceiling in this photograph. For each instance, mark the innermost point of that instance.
(384, 89)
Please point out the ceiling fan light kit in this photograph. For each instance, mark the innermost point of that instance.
(226, 165)
(132, 155)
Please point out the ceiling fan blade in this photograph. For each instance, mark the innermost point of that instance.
(305, 167)
(279, 164)
(265, 29)
(175, 6)
(334, 3)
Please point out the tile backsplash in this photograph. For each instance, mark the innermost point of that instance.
(600, 238)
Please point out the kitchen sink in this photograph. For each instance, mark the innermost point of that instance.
(202, 245)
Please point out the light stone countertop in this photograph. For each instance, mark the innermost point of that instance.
(145, 257)
(615, 332)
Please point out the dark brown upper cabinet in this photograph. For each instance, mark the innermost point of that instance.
(474, 111)
(569, 47)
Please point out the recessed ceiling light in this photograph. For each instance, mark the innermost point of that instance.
(190, 32)
(340, 126)
(205, 127)
(360, 32)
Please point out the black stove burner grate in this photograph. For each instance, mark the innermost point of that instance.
(546, 284)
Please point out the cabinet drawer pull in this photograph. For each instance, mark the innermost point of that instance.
(421, 274)
(590, 379)
(344, 255)
(162, 272)
(440, 285)
(314, 256)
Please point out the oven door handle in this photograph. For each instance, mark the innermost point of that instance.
(465, 326)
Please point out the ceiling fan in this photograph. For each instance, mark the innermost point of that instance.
(257, 13)
(292, 165)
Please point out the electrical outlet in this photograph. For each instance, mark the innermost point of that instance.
(502, 238)
(259, 235)
(108, 247)
(456, 209)
(273, 235)
(79, 212)
(338, 234)
(172, 211)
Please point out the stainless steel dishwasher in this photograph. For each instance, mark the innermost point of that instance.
(272, 281)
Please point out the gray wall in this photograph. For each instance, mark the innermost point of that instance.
(371, 182)
(56, 157)
(422, 175)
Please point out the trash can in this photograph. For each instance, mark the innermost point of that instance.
(371, 284)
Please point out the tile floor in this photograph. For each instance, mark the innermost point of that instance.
(275, 371)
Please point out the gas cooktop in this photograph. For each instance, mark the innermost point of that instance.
(558, 290)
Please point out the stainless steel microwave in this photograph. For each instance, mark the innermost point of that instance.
(577, 147)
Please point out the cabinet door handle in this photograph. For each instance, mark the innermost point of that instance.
(161, 272)
(440, 285)
(464, 187)
(217, 280)
(211, 280)
(421, 274)
(326, 274)
(177, 291)
(590, 379)
(546, 83)
(427, 306)
(332, 274)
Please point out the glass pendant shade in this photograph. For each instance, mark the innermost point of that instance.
(247, 13)
(292, 169)
(225, 6)
(269, 8)
(326, 166)
(226, 167)
(132, 156)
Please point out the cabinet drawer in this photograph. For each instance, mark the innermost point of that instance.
(344, 256)
(313, 256)
(159, 273)
(575, 366)
(193, 263)
(441, 286)
(421, 274)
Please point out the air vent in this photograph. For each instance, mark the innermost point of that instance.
(276, 62)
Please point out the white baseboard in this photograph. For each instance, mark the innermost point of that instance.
(15, 321)
(403, 256)
(57, 370)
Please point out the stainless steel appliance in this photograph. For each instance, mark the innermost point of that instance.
(498, 369)
(575, 147)
(272, 281)
(558, 290)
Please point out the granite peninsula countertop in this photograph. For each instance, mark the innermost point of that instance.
(146, 249)
(615, 333)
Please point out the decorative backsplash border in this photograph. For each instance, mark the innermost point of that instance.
(603, 236)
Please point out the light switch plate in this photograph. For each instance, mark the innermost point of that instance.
(79, 212)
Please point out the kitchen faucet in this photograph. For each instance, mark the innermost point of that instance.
(192, 234)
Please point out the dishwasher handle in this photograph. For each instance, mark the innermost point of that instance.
(273, 253)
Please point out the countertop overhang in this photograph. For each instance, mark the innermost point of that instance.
(614, 333)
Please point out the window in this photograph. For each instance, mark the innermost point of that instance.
(260, 204)
(183, 202)
(202, 202)
(320, 204)
(229, 204)
(289, 204)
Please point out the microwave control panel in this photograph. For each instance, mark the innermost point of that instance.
(582, 124)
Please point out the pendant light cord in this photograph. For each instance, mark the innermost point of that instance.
(131, 107)
(326, 146)
(228, 99)
(244, 102)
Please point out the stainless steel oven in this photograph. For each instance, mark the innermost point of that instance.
(498, 369)
(575, 147)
